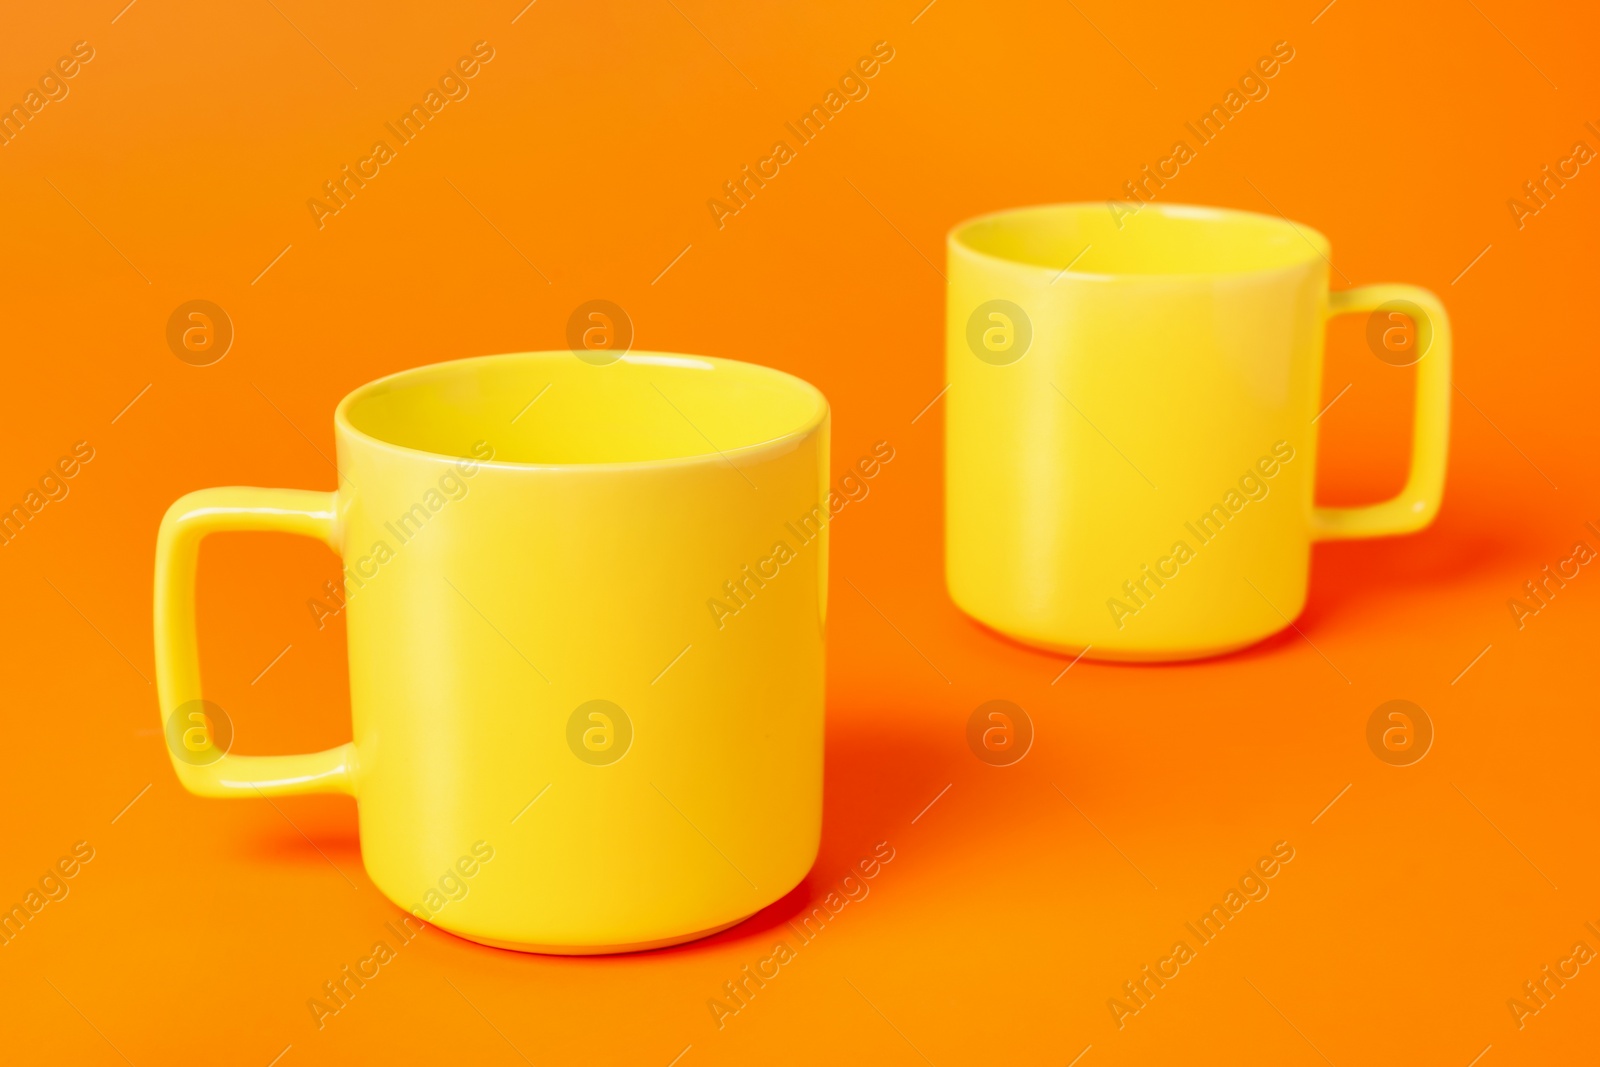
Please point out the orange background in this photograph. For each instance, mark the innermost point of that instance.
(179, 166)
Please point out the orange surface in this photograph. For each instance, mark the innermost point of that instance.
(179, 164)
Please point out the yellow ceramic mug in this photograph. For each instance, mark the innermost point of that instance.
(559, 743)
(1130, 432)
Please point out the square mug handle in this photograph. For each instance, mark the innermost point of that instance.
(1419, 500)
(203, 765)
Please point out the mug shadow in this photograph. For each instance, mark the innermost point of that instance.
(1343, 570)
(1344, 574)
(328, 841)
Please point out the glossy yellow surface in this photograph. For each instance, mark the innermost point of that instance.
(524, 535)
(1139, 373)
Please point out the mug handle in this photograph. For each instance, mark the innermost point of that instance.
(187, 521)
(1419, 500)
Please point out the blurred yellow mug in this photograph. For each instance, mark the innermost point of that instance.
(556, 746)
(1131, 437)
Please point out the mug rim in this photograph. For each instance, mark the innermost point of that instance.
(779, 443)
(1317, 244)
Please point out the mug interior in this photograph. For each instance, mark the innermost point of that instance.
(1113, 238)
(551, 408)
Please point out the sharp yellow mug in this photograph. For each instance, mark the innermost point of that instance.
(556, 746)
(1130, 432)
